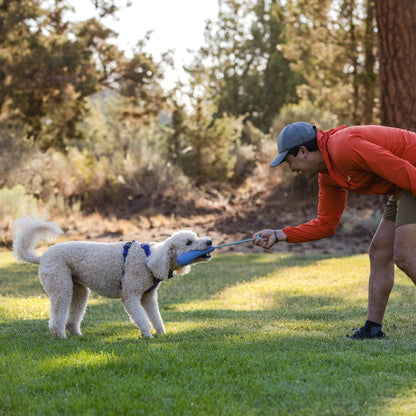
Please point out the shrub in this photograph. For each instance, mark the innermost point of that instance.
(117, 162)
(14, 203)
(209, 149)
(304, 111)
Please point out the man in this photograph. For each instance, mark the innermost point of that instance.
(362, 159)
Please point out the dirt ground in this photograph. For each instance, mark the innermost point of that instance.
(230, 215)
(221, 228)
(226, 213)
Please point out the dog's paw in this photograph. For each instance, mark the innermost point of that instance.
(73, 329)
(58, 333)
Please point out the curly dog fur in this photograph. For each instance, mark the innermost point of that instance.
(69, 270)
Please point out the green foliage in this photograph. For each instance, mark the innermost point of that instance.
(246, 74)
(304, 111)
(50, 66)
(246, 335)
(211, 156)
(117, 163)
(209, 149)
(333, 45)
(14, 203)
(45, 75)
(68, 86)
(136, 158)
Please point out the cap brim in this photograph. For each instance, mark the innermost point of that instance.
(279, 159)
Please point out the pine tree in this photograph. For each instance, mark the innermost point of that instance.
(243, 70)
(396, 21)
(333, 45)
(50, 66)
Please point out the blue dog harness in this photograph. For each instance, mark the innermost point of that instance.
(146, 248)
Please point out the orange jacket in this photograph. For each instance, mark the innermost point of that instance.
(362, 159)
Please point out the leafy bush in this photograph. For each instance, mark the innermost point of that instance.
(14, 203)
(304, 111)
(210, 149)
(118, 162)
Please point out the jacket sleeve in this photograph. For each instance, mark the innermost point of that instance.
(331, 205)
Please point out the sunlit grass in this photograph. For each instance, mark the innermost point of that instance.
(266, 292)
(405, 404)
(246, 335)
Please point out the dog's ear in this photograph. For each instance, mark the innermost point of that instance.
(159, 261)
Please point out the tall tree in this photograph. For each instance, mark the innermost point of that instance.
(396, 22)
(247, 74)
(333, 44)
(49, 66)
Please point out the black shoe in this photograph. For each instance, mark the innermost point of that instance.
(362, 333)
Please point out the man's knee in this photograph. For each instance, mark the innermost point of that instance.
(380, 252)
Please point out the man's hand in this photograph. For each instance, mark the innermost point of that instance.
(268, 238)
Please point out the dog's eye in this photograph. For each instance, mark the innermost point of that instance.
(189, 242)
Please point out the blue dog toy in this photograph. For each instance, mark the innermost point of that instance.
(187, 258)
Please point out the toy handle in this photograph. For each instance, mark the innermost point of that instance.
(235, 242)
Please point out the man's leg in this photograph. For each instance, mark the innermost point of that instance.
(405, 240)
(394, 243)
(405, 249)
(381, 280)
(381, 270)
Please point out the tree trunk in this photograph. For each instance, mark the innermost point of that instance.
(370, 76)
(396, 22)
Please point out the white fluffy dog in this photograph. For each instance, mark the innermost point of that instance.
(130, 271)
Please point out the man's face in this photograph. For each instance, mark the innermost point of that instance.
(303, 163)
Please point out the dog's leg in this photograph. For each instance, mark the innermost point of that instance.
(59, 288)
(79, 301)
(137, 314)
(149, 302)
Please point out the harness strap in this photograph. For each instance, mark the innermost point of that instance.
(126, 249)
(156, 283)
(146, 248)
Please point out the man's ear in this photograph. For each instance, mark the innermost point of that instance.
(303, 151)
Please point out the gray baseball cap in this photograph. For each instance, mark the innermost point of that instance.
(293, 135)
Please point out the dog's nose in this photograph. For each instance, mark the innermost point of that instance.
(209, 243)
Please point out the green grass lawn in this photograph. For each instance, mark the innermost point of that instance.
(259, 334)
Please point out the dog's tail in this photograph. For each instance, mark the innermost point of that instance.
(29, 232)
